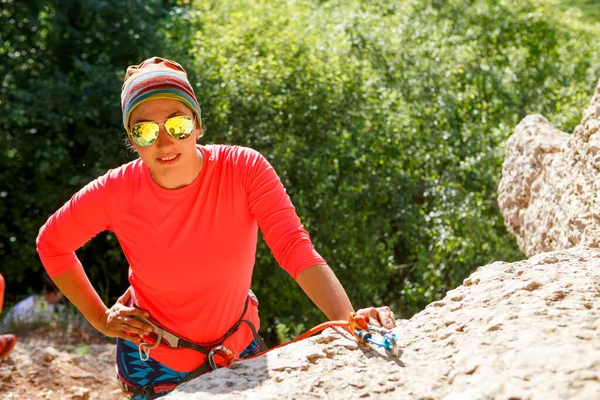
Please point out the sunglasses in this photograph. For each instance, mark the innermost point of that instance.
(146, 133)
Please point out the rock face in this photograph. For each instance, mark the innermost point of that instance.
(527, 330)
(550, 184)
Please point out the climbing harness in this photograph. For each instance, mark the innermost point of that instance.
(170, 339)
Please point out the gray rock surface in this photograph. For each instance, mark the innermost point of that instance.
(550, 184)
(527, 330)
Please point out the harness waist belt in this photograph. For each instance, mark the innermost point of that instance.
(172, 340)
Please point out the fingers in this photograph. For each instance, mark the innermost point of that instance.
(133, 338)
(122, 322)
(132, 311)
(386, 316)
(379, 317)
(135, 327)
(373, 317)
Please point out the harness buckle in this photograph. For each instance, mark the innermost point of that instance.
(147, 391)
(222, 351)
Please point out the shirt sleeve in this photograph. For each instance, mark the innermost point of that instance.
(76, 222)
(276, 216)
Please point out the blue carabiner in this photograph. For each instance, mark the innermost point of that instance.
(363, 335)
(388, 340)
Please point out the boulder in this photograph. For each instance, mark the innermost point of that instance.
(526, 330)
(550, 186)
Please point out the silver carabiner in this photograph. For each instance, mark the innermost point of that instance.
(144, 348)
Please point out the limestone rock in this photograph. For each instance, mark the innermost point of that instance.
(527, 330)
(550, 183)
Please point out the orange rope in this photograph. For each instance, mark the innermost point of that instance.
(356, 321)
(310, 332)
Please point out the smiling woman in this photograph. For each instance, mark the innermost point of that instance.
(158, 91)
(187, 219)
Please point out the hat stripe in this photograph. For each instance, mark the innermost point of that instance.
(147, 75)
(154, 77)
(153, 85)
(159, 86)
(162, 86)
(162, 94)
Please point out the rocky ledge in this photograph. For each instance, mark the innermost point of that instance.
(526, 330)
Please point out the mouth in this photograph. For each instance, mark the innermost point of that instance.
(168, 159)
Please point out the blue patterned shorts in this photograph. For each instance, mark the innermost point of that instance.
(142, 373)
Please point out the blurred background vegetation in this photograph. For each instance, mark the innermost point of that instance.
(385, 119)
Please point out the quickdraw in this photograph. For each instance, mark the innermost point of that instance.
(388, 341)
(363, 333)
(360, 329)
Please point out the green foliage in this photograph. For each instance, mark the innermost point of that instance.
(62, 67)
(385, 120)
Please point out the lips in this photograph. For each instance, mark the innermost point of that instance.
(169, 159)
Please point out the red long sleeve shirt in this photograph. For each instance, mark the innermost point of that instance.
(191, 250)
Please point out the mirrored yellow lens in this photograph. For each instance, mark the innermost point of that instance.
(180, 127)
(145, 133)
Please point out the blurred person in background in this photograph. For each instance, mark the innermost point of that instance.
(37, 308)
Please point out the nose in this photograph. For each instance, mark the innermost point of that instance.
(164, 139)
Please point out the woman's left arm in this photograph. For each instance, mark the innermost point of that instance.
(325, 290)
(290, 243)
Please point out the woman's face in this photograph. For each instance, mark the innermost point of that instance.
(174, 163)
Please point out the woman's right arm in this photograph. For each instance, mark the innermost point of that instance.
(114, 322)
(76, 222)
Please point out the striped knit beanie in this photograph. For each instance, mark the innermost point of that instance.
(156, 78)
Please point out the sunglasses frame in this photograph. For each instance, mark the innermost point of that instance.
(163, 123)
